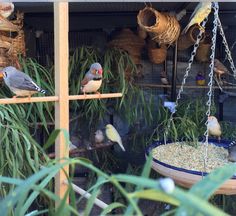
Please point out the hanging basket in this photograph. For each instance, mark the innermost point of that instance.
(157, 55)
(129, 42)
(188, 39)
(6, 25)
(162, 27)
(204, 49)
(187, 178)
(142, 33)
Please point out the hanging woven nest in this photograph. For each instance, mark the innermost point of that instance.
(203, 51)
(188, 39)
(129, 42)
(162, 27)
(157, 55)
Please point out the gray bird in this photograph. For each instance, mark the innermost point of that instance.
(99, 137)
(93, 79)
(19, 83)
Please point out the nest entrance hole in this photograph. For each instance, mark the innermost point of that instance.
(148, 18)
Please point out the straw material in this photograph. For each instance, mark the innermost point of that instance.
(129, 42)
(203, 51)
(12, 43)
(162, 27)
(188, 39)
(157, 55)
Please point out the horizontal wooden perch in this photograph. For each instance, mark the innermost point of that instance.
(94, 96)
(28, 100)
(77, 151)
(56, 98)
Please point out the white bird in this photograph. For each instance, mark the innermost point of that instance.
(113, 135)
(213, 126)
(99, 137)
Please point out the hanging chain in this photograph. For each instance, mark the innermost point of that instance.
(190, 62)
(215, 6)
(227, 50)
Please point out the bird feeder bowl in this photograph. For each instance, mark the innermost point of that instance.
(187, 178)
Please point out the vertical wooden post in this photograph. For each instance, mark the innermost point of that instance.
(61, 87)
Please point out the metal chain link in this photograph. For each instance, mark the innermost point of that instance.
(227, 50)
(215, 6)
(193, 53)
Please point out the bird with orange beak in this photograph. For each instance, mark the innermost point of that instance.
(93, 79)
(19, 83)
(214, 128)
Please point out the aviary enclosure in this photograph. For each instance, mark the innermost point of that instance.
(110, 107)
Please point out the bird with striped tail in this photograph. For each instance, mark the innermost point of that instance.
(19, 83)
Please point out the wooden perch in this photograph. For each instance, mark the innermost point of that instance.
(87, 195)
(56, 98)
(28, 100)
(94, 96)
(75, 152)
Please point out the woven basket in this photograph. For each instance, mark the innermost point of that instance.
(142, 33)
(6, 25)
(188, 39)
(162, 27)
(4, 62)
(203, 52)
(129, 42)
(157, 55)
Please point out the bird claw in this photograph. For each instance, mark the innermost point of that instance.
(99, 94)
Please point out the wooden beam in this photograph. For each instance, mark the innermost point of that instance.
(27, 100)
(94, 96)
(61, 89)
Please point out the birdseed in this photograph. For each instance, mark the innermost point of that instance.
(188, 157)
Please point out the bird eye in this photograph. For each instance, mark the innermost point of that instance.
(96, 71)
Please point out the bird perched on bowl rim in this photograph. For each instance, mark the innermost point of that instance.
(92, 80)
(202, 11)
(19, 83)
(213, 126)
(113, 135)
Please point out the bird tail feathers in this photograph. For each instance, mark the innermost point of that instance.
(121, 146)
(41, 91)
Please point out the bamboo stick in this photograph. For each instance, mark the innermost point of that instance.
(87, 195)
(94, 96)
(28, 100)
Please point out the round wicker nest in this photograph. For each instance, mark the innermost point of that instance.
(129, 42)
(162, 27)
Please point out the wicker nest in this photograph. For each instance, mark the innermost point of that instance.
(12, 43)
(162, 27)
(203, 51)
(188, 39)
(157, 55)
(129, 42)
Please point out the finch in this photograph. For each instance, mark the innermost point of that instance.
(93, 79)
(113, 135)
(202, 11)
(19, 83)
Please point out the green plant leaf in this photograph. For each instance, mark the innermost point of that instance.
(111, 207)
(155, 195)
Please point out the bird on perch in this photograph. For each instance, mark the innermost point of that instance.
(92, 80)
(19, 83)
(98, 136)
(213, 126)
(202, 10)
(113, 135)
